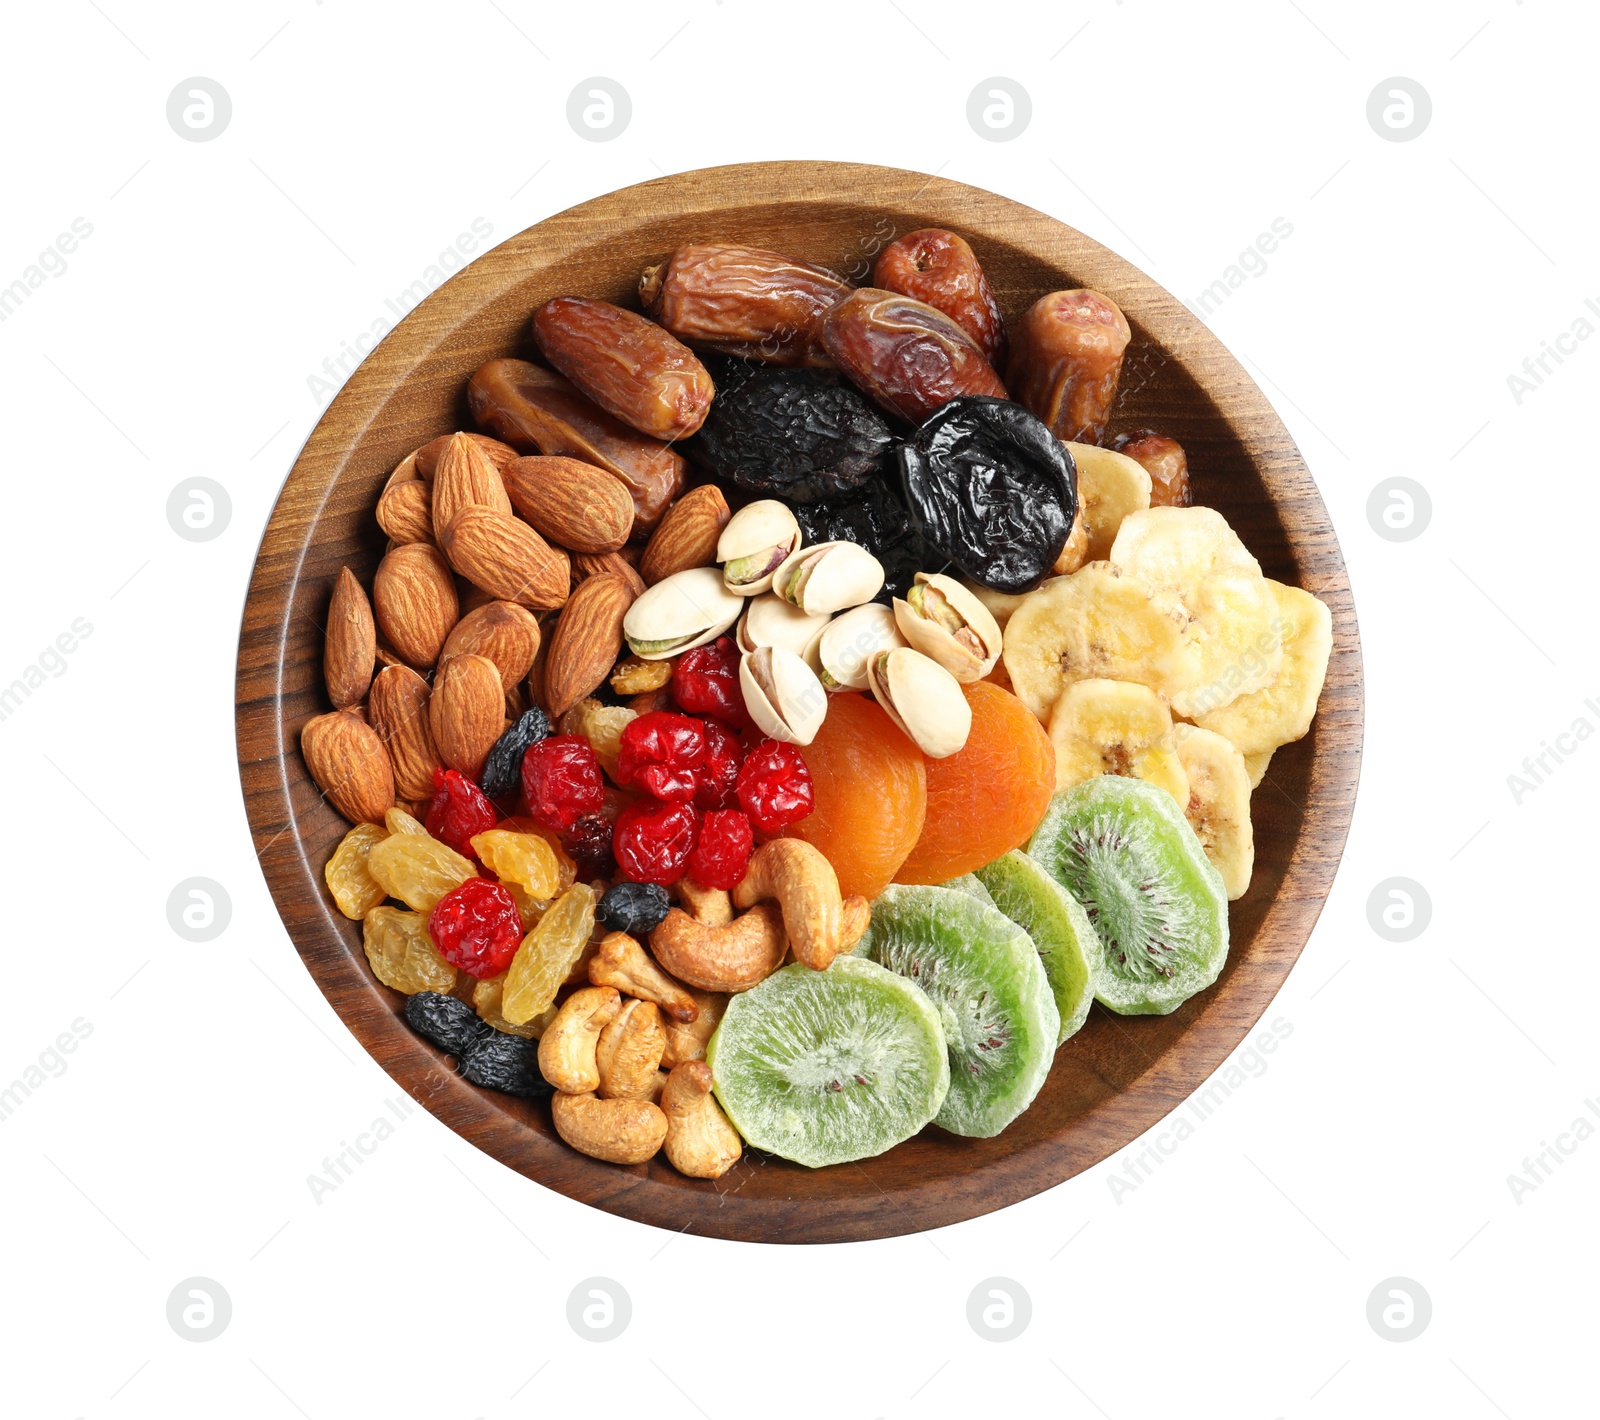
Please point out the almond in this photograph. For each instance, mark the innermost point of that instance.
(586, 641)
(573, 503)
(466, 712)
(506, 633)
(464, 476)
(351, 644)
(414, 596)
(405, 512)
(427, 457)
(398, 710)
(349, 764)
(535, 682)
(591, 564)
(687, 536)
(505, 556)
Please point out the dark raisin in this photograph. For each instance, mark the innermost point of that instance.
(502, 770)
(449, 1023)
(588, 844)
(507, 1063)
(992, 490)
(799, 434)
(635, 908)
(876, 520)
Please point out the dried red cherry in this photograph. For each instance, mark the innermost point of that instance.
(661, 752)
(774, 786)
(652, 842)
(722, 852)
(561, 781)
(705, 681)
(720, 772)
(458, 810)
(476, 927)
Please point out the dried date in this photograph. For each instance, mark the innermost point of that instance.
(742, 301)
(1164, 460)
(1066, 360)
(907, 356)
(537, 411)
(939, 268)
(991, 489)
(796, 434)
(629, 366)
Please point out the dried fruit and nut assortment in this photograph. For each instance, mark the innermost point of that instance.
(789, 711)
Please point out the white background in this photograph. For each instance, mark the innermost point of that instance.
(179, 341)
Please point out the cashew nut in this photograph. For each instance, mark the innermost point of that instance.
(711, 906)
(566, 1049)
(689, 1042)
(621, 962)
(618, 1131)
(806, 887)
(855, 916)
(629, 1052)
(700, 1141)
(732, 958)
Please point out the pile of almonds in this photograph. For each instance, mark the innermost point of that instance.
(505, 585)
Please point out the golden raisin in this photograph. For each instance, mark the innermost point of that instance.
(418, 869)
(486, 997)
(548, 954)
(523, 857)
(602, 726)
(400, 953)
(352, 886)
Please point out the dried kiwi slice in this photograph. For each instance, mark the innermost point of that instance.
(1061, 931)
(822, 1067)
(981, 970)
(1123, 848)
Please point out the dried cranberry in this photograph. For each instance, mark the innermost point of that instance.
(722, 852)
(588, 844)
(561, 781)
(705, 681)
(775, 786)
(662, 752)
(458, 811)
(719, 773)
(652, 842)
(477, 927)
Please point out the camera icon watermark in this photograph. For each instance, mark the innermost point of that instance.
(599, 1309)
(999, 1309)
(199, 909)
(199, 509)
(599, 109)
(1399, 1309)
(199, 1309)
(999, 109)
(1399, 109)
(1399, 909)
(199, 109)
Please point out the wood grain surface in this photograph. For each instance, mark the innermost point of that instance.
(1117, 1076)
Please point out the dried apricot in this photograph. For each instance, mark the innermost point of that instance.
(417, 869)
(988, 797)
(355, 889)
(547, 954)
(401, 954)
(871, 792)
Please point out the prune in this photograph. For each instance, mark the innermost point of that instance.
(508, 1063)
(626, 364)
(502, 770)
(991, 489)
(908, 356)
(447, 1022)
(635, 908)
(742, 301)
(1066, 361)
(797, 434)
(938, 267)
(875, 520)
(537, 412)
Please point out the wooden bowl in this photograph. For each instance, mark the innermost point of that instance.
(1117, 1076)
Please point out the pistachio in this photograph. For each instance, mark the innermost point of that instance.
(829, 576)
(755, 543)
(680, 612)
(783, 696)
(840, 654)
(922, 698)
(943, 620)
(771, 621)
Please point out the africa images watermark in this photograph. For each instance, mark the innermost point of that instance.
(1141, 1167)
(1536, 368)
(50, 1064)
(342, 1166)
(1541, 1168)
(1252, 261)
(52, 261)
(51, 661)
(338, 368)
(1538, 768)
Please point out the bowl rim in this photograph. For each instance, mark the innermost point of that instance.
(269, 756)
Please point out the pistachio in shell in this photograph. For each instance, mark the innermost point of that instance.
(923, 699)
(947, 623)
(679, 613)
